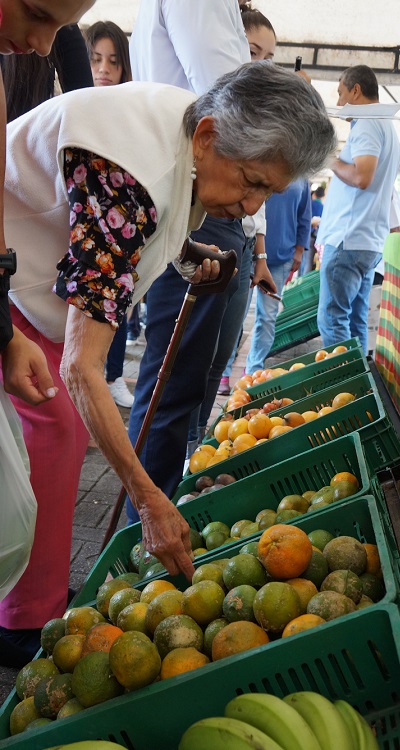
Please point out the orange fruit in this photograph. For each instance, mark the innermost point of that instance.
(293, 419)
(105, 592)
(22, 715)
(203, 602)
(100, 638)
(236, 637)
(80, 619)
(296, 366)
(120, 600)
(164, 605)
(320, 355)
(221, 430)
(218, 457)
(260, 425)
(325, 410)
(51, 632)
(344, 476)
(342, 399)
(207, 448)
(238, 427)
(279, 430)
(240, 393)
(133, 617)
(308, 416)
(243, 442)
(177, 631)
(285, 551)
(275, 604)
(198, 461)
(68, 650)
(299, 624)
(276, 421)
(93, 681)
(339, 349)
(30, 675)
(244, 382)
(134, 660)
(154, 588)
(182, 660)
(305, 590)
(373, 560)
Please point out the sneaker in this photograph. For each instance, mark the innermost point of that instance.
(135, 342)
(224, 388)
(121, 393)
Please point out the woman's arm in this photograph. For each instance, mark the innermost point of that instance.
(165, 532)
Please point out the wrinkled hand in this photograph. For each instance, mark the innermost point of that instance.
(209, 270)
(166, 535)
(25, 371)
(264, 275)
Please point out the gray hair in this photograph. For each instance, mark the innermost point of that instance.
(366, 79)
(264, 112)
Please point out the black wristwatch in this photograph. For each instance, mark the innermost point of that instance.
(8, 261)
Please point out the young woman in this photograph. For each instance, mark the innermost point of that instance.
(108, 51)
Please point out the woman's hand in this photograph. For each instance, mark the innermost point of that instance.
(25, 371)
(166, 534)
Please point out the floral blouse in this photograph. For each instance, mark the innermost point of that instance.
(111, 217)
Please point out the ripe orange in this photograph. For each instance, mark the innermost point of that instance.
(293, 419)
(279, 430)
(373, 561)
(305, 590)
(275, 421)
(308, 416)
(344, 476)
(134, 660)
(182, 660)
(285, 551)
(299, 624)
(68, 650)
(154, 588)
(198, 461)
(325, 410)
(260, 425)
(207, 448)
(342, 399)
(221, 430)
(320, 355)
(244, 382)
(243, 443)
(219, 456)
(339, 349)
(80, 619)
(296, 366)
(100, 638)
(277, 372)
(236, 637)
(203, 601)
(238, 427)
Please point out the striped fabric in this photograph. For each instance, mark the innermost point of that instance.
(387, 352)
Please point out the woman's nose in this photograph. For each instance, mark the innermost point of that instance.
(252, 203)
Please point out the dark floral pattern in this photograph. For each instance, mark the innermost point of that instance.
(111, 217)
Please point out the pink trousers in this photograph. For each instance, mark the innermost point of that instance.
(56, 439)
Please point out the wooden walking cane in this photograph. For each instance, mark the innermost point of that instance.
(195, 253)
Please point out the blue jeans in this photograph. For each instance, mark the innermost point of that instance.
(164, 452)
(116, 353)
(345, 283)
(228, 336)
(264, 327)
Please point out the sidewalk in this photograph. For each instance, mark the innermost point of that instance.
(99, 486)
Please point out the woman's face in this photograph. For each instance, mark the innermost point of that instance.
(103, 62)
(31, 25)
(233, 189)
(262, 43)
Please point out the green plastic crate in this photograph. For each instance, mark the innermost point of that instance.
(288, 314)
(242, 499)
(366, 415)
(353, 343)
(309, 279)
(310, 379)
(301, 294)
(355, 658)
(293, 332)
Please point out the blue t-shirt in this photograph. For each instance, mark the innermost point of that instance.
(288, 217)
(360, 218)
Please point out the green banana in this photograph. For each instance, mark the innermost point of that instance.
(351, 718)
(274, 717)
(324, 719)
(370, 739)
(221, 733)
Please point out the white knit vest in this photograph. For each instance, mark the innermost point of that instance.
(136, 125)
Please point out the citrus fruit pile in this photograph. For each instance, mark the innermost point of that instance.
(287, 583)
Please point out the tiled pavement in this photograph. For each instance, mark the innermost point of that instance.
(99, 486)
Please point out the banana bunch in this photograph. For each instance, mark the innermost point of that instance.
(301, 721)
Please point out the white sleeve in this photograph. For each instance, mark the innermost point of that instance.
(395, 210)
(208, 38)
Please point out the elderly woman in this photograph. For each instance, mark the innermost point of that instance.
(114, 179)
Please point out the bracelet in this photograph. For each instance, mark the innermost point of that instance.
(260, 255)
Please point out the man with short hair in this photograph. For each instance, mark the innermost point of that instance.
(355, 220)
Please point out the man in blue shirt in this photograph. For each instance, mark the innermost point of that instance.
(355, 220)
(288, 217)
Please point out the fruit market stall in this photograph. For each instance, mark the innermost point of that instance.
(293, 605)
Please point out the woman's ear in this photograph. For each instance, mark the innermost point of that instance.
(203, 136)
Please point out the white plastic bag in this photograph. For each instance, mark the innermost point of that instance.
(18, 505)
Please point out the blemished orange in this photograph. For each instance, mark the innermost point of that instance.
(285, 551)
(236, 637)
(100, 638)
(80, 619)
(299, 624)
(67, 651)
(293, 419)
(260, 425)
(182, 660)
